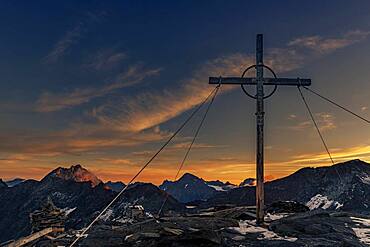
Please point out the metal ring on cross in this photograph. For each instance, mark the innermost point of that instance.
(255, 66)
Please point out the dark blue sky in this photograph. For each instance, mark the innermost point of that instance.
(102, 83)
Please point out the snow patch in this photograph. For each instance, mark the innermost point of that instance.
(365, 179)
(271, 217)
(67, 211)
(338, 205)
(320, 201)
(106, 215)
(362, 229)
(217, 188)
(248, 226)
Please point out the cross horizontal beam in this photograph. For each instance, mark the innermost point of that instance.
(266, 81)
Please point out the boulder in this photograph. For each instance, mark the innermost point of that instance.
(286, 207)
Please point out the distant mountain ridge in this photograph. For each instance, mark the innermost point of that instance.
(191, 188)
(344, 186)
(14, 182)
(115, 186)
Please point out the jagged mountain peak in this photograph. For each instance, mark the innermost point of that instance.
(75, 173)
(189, 176)
(191, 188)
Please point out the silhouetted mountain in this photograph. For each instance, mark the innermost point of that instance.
(75, 173)
(344, 186)
(188, 188)
(70, 189)
(14, 182)
(192, 188)
(3, 184)
(115, 186)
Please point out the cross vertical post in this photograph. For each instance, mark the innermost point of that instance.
(260, 122)
(260, 81)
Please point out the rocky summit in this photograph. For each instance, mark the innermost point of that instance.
(76, 173)
(220, 228)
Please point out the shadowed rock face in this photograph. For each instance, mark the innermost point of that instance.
(69, 188)
(149, 196)
(191, 188)
(115, 186)
(316, 228)
(325, 228)
(188, 188)
(3, 184)
(80, 198)
(320, 187)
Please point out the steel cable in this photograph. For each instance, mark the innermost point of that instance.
(336, 104)
(146, 164)
(190, 146)
(318, 131)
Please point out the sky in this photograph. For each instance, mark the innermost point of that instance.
(105, 83)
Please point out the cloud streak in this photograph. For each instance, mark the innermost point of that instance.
(106, 59)
(149, 109)
(72, 37)
(133, 120)
(326, 45)
(50, 102)
(324, 120)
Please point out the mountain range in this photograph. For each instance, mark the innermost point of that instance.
(344, 186)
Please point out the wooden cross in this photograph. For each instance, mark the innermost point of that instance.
(260, 82)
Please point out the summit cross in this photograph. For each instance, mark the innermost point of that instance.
(260, 81)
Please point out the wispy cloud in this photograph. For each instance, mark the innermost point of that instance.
(49, 102)
(72, 37)
(145, 110)
(325, 45)
(183, 145)
(133, 120)
(75, 141)
(148, 109)
(324, 120)
(106, 59)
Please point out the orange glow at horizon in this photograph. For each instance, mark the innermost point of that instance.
(122, 170)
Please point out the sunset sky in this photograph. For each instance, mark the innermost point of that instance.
(104, 83)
